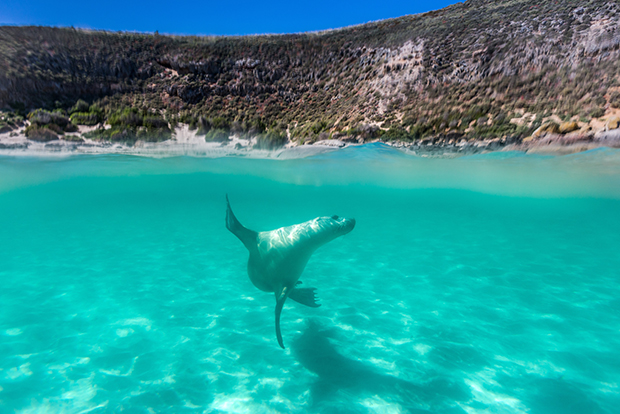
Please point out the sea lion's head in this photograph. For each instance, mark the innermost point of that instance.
(341, 225)
(326, 229)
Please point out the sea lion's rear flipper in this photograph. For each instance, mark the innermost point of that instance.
(280, 299)
(305, 296)
(248, 237)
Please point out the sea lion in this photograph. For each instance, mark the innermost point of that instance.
(278, 257)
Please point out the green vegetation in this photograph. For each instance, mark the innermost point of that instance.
(396, 133)
(217, 135)
(42, 134)
(84, 114)
(270, 140)
(85, 118)
(56, 121)
(9, 121)
(130, 124)
(47, 126)
(615, 100)
(80, 106)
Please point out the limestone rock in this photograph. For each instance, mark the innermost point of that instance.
(547, 128)
(608, 138)
(567, 127)
(330, 143)
(613, 123)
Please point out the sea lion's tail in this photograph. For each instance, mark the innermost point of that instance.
(248, 237)
(280, 299)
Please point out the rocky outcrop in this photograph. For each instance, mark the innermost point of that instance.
(567, 127)
(547, 128)
(612, 123)
(608, 138)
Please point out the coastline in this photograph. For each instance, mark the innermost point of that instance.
(186, 142)
(548, 144)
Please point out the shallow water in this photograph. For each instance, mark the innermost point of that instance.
(485, 284)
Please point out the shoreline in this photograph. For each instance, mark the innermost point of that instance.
(184, 143)
(187, 143)
(549, 144)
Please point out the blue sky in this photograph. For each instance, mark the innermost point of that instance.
(208, 17)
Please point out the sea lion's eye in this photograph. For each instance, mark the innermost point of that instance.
(335, 217)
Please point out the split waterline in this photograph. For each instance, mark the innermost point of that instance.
(480, 284)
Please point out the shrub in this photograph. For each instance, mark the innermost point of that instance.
(71, 127)
(614, 100)
(85, 118)
(500, 119)
(368, 131)
(96, 109)
(395, 133)
(596, 112)
(254, 127)
(55, 128)
(270, 140)
(126, 117)
(220, 123)
(43, 117)
(40, 117)
(495, 130)
(154, 122)
(203, 125)
(115, 134)
(420, 130)
(318, 127)
(154, 134)
(217, 135)
(80, 106)
(41, 134)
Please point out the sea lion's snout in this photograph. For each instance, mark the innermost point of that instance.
(349, 224)
(341, 224)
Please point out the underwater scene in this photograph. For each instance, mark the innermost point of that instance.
(483, 284)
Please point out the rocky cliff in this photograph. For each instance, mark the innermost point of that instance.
(468, 69)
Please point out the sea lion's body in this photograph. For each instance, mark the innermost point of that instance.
(281, 256)
(278, 257)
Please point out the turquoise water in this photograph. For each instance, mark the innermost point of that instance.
(485, 284)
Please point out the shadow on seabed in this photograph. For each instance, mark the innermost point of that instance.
(339, 377)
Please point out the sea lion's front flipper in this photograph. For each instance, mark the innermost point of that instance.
(248, 237)
(305, 296)
(280, 299)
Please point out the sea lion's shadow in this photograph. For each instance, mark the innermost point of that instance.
(338, 374)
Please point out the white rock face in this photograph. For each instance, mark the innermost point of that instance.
(608, 138)
(331, 143)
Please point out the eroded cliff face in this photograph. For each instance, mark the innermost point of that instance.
(492, 53)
